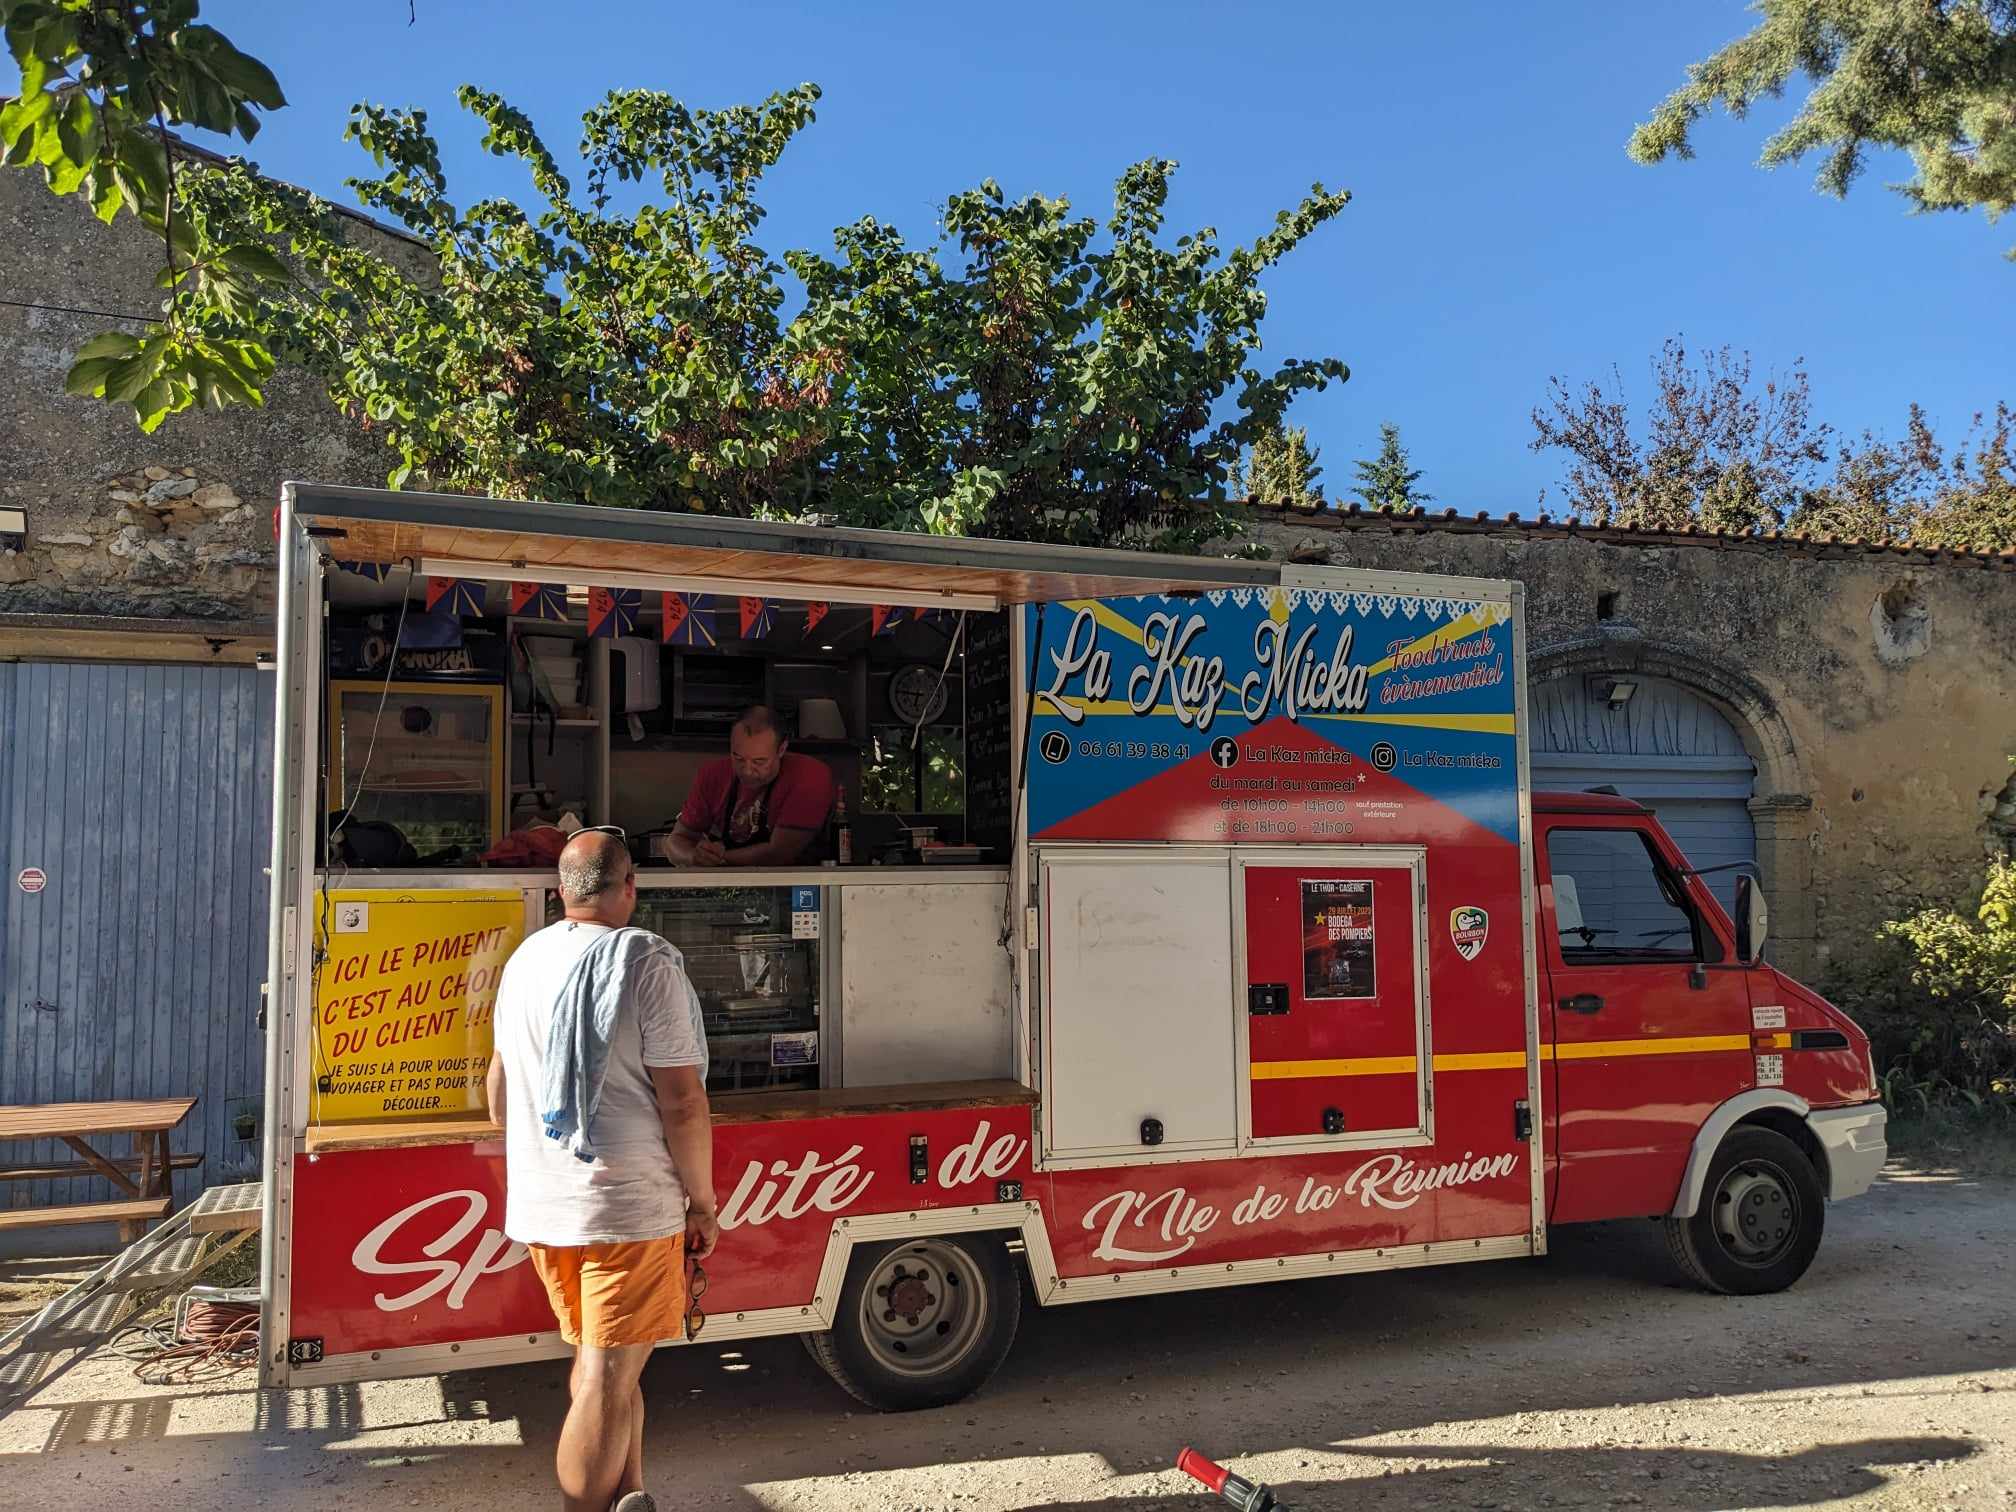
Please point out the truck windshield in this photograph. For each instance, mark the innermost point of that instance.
(1626, 906)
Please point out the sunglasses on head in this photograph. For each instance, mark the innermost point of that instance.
(604, 829)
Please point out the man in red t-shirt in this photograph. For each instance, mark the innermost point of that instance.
(761, 805)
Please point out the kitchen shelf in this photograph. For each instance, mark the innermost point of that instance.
(558, 724)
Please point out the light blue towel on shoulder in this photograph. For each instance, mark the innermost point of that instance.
(584, 1023)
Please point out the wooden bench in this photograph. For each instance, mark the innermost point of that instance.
(67, 1168)
(130, 1211)
(142, 1179)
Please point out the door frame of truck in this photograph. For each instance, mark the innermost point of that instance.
(1040, 574)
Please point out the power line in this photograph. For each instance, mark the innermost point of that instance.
(24, 304)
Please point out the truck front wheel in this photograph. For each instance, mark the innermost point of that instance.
(922, 1322)
(1759, 1220)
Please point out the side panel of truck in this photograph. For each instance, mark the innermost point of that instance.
(1318, 792)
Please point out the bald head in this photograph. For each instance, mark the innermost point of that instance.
(594, 872)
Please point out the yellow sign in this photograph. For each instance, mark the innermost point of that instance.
(403, 1000)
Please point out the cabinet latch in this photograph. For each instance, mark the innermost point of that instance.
(1267, 998)
(920, 1159)
(1522, 1122)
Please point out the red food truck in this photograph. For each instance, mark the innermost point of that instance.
(1242, 953)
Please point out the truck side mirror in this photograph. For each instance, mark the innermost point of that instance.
(1753, 920)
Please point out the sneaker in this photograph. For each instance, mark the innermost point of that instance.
(635, 1501)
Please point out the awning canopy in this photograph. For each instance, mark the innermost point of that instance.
(451, 535)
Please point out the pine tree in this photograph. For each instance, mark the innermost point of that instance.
(1282, 470)
(1388, 480)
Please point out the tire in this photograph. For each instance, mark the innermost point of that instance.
(1760, 1218)
(968, 1297)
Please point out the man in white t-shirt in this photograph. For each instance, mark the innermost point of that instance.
(609, 1236)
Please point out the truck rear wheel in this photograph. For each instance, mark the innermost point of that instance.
(1760, 1218)
(922, 1322)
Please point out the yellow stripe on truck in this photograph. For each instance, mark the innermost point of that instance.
(1371, 1065)
(1498, 1060)
(1679, 1045)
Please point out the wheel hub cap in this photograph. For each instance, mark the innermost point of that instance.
(1756, 1214)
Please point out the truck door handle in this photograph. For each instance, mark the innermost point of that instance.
(1583, 1002)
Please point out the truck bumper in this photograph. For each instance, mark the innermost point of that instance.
(1855, 1145)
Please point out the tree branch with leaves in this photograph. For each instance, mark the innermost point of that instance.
(1933, 78)
(102, 86)
(1029, 373)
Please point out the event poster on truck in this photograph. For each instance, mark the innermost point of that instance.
(1239, 950)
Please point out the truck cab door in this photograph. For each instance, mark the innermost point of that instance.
(1650, 1013)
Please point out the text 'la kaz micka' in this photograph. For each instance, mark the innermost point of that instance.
(1290, 675)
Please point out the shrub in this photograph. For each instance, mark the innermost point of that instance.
(1938, 998)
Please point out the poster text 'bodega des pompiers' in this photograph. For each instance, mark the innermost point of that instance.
(404, 997)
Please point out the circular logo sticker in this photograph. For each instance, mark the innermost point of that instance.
(1384, 757)
(32, 879)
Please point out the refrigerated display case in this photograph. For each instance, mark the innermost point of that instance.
(759, 985)
(425, 757)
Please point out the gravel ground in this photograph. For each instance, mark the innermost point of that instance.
(1887, 1378)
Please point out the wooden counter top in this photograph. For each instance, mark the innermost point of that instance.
(729, 1108)
(400, 1134)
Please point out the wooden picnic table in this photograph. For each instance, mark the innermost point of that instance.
(143, 1178)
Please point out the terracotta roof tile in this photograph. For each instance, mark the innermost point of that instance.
(1357, 517)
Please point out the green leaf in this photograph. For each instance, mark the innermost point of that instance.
(151, 404)
(78, 130)
(128, 378)
(245, 76)
(110, 344)
(64, 176)
(254, 261)
(23, 113)
(87, 375)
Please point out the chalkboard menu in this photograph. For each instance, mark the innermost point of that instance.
(990, 736)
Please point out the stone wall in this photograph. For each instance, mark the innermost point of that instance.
(175, 525)
(1875, 690)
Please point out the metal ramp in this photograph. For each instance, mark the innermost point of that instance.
(35, 1351)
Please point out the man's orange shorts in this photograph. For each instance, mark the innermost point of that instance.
(610, 1295)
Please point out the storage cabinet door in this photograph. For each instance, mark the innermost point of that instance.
(1335, 1013)
(1139, 1004)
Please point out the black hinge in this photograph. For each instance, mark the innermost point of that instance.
(1522, 1122)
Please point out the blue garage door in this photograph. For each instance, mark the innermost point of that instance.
(1667, 748)
(143, 794)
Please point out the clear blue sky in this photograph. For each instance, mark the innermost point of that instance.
(1498, 234)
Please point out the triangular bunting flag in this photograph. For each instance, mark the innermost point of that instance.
(614, 611)
(685, 620)
(758, 618)
(883, 617)
(540, 601)
(815, 612)
(378, 572)
(461, 596)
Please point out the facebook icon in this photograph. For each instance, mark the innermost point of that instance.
(1224, 752)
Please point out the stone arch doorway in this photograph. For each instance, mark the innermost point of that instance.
(1701, 743)
(1663, 745)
